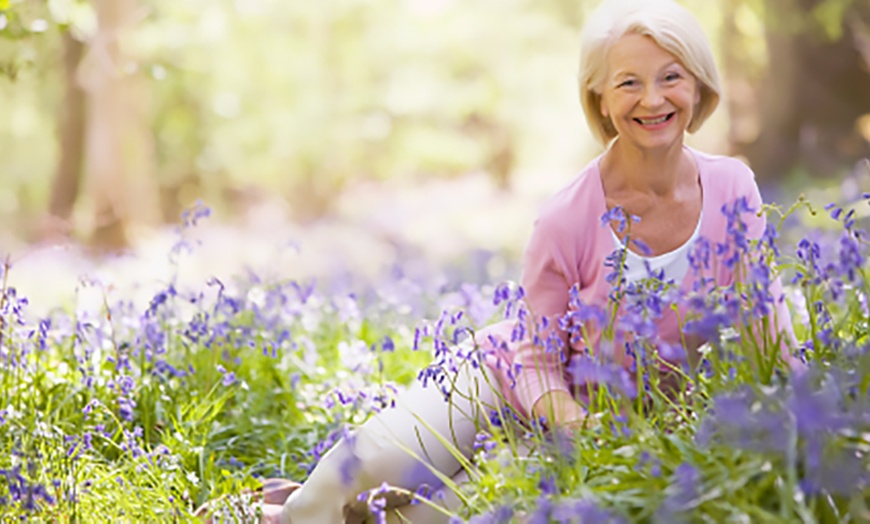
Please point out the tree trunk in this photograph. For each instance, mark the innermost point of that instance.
(815, 91)
(71, 128)
(121, 185)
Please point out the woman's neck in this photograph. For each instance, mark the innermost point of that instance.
(656, 173)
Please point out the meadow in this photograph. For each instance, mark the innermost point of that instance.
(140, 411)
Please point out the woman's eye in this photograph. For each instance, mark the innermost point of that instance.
(672, 77)
(627, 83)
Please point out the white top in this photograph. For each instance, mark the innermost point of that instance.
(674, 263)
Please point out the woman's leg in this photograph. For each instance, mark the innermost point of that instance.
(397, 446)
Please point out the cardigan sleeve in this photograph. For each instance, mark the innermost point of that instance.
(545, 280)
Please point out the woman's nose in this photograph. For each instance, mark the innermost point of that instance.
(652, 96)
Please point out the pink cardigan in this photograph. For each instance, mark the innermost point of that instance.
(569, 245)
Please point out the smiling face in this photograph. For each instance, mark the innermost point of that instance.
(648, 95)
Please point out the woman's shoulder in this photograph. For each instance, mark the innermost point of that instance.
(726, 180)
(722, 169)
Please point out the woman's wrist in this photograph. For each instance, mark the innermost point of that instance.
(558, 408)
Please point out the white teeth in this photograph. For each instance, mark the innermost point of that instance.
(646, 121)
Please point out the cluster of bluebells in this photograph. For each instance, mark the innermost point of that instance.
(126, 357)
(21, 491)
(133, 365)
(453, 341)
(831, 269)
(547, 511)
(12, 313)
(821, 411)
(733, 317)
(680, 495)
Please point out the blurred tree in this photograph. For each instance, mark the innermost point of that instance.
(815, 88)
(72, 126)
(29, 87)
(264, 99)
(237, 102)
(118, 149)
(103, 153)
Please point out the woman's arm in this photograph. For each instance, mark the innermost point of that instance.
(541, 385)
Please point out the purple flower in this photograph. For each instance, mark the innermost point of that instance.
(484, 442)
(672, 352)
(850, 258)
(699, 255)
(571, 510)
(541, 512)
(614, 214)
(190, 217)
(637, 323)
(815, 409)
(840, 472)
(500, 515)
(584, 369)
(771, 233)
(744, 420)
(708, 325)
(229, 377)
(125, 408)
(641, 245)
(617, 214)
(616, 277)
(680, 495)
(547, 485)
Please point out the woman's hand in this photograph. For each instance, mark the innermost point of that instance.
(562, 412)
(271, 513)
(275, 493)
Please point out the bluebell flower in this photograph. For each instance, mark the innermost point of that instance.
(708, 325)
(191, 216)
(850, 257)
(815, 409)
(572, 511)
(680, 495)
(614, 214)
(547, 485)
(500, 515)
(584, 369)
(834, 210)
(644, 249)
(744, 420)
(229, 377)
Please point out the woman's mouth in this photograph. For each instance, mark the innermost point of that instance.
(654, 121)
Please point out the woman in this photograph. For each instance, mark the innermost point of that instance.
(647, 77)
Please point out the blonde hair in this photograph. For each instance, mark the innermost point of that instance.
(671, 26)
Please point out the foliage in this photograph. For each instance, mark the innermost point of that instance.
(259, 97)
(250, 99)
(143, 411)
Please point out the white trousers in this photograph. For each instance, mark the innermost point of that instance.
(398, 446)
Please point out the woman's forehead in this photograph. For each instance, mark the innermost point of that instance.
(634, 53)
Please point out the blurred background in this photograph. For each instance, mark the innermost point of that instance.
(429, 123)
